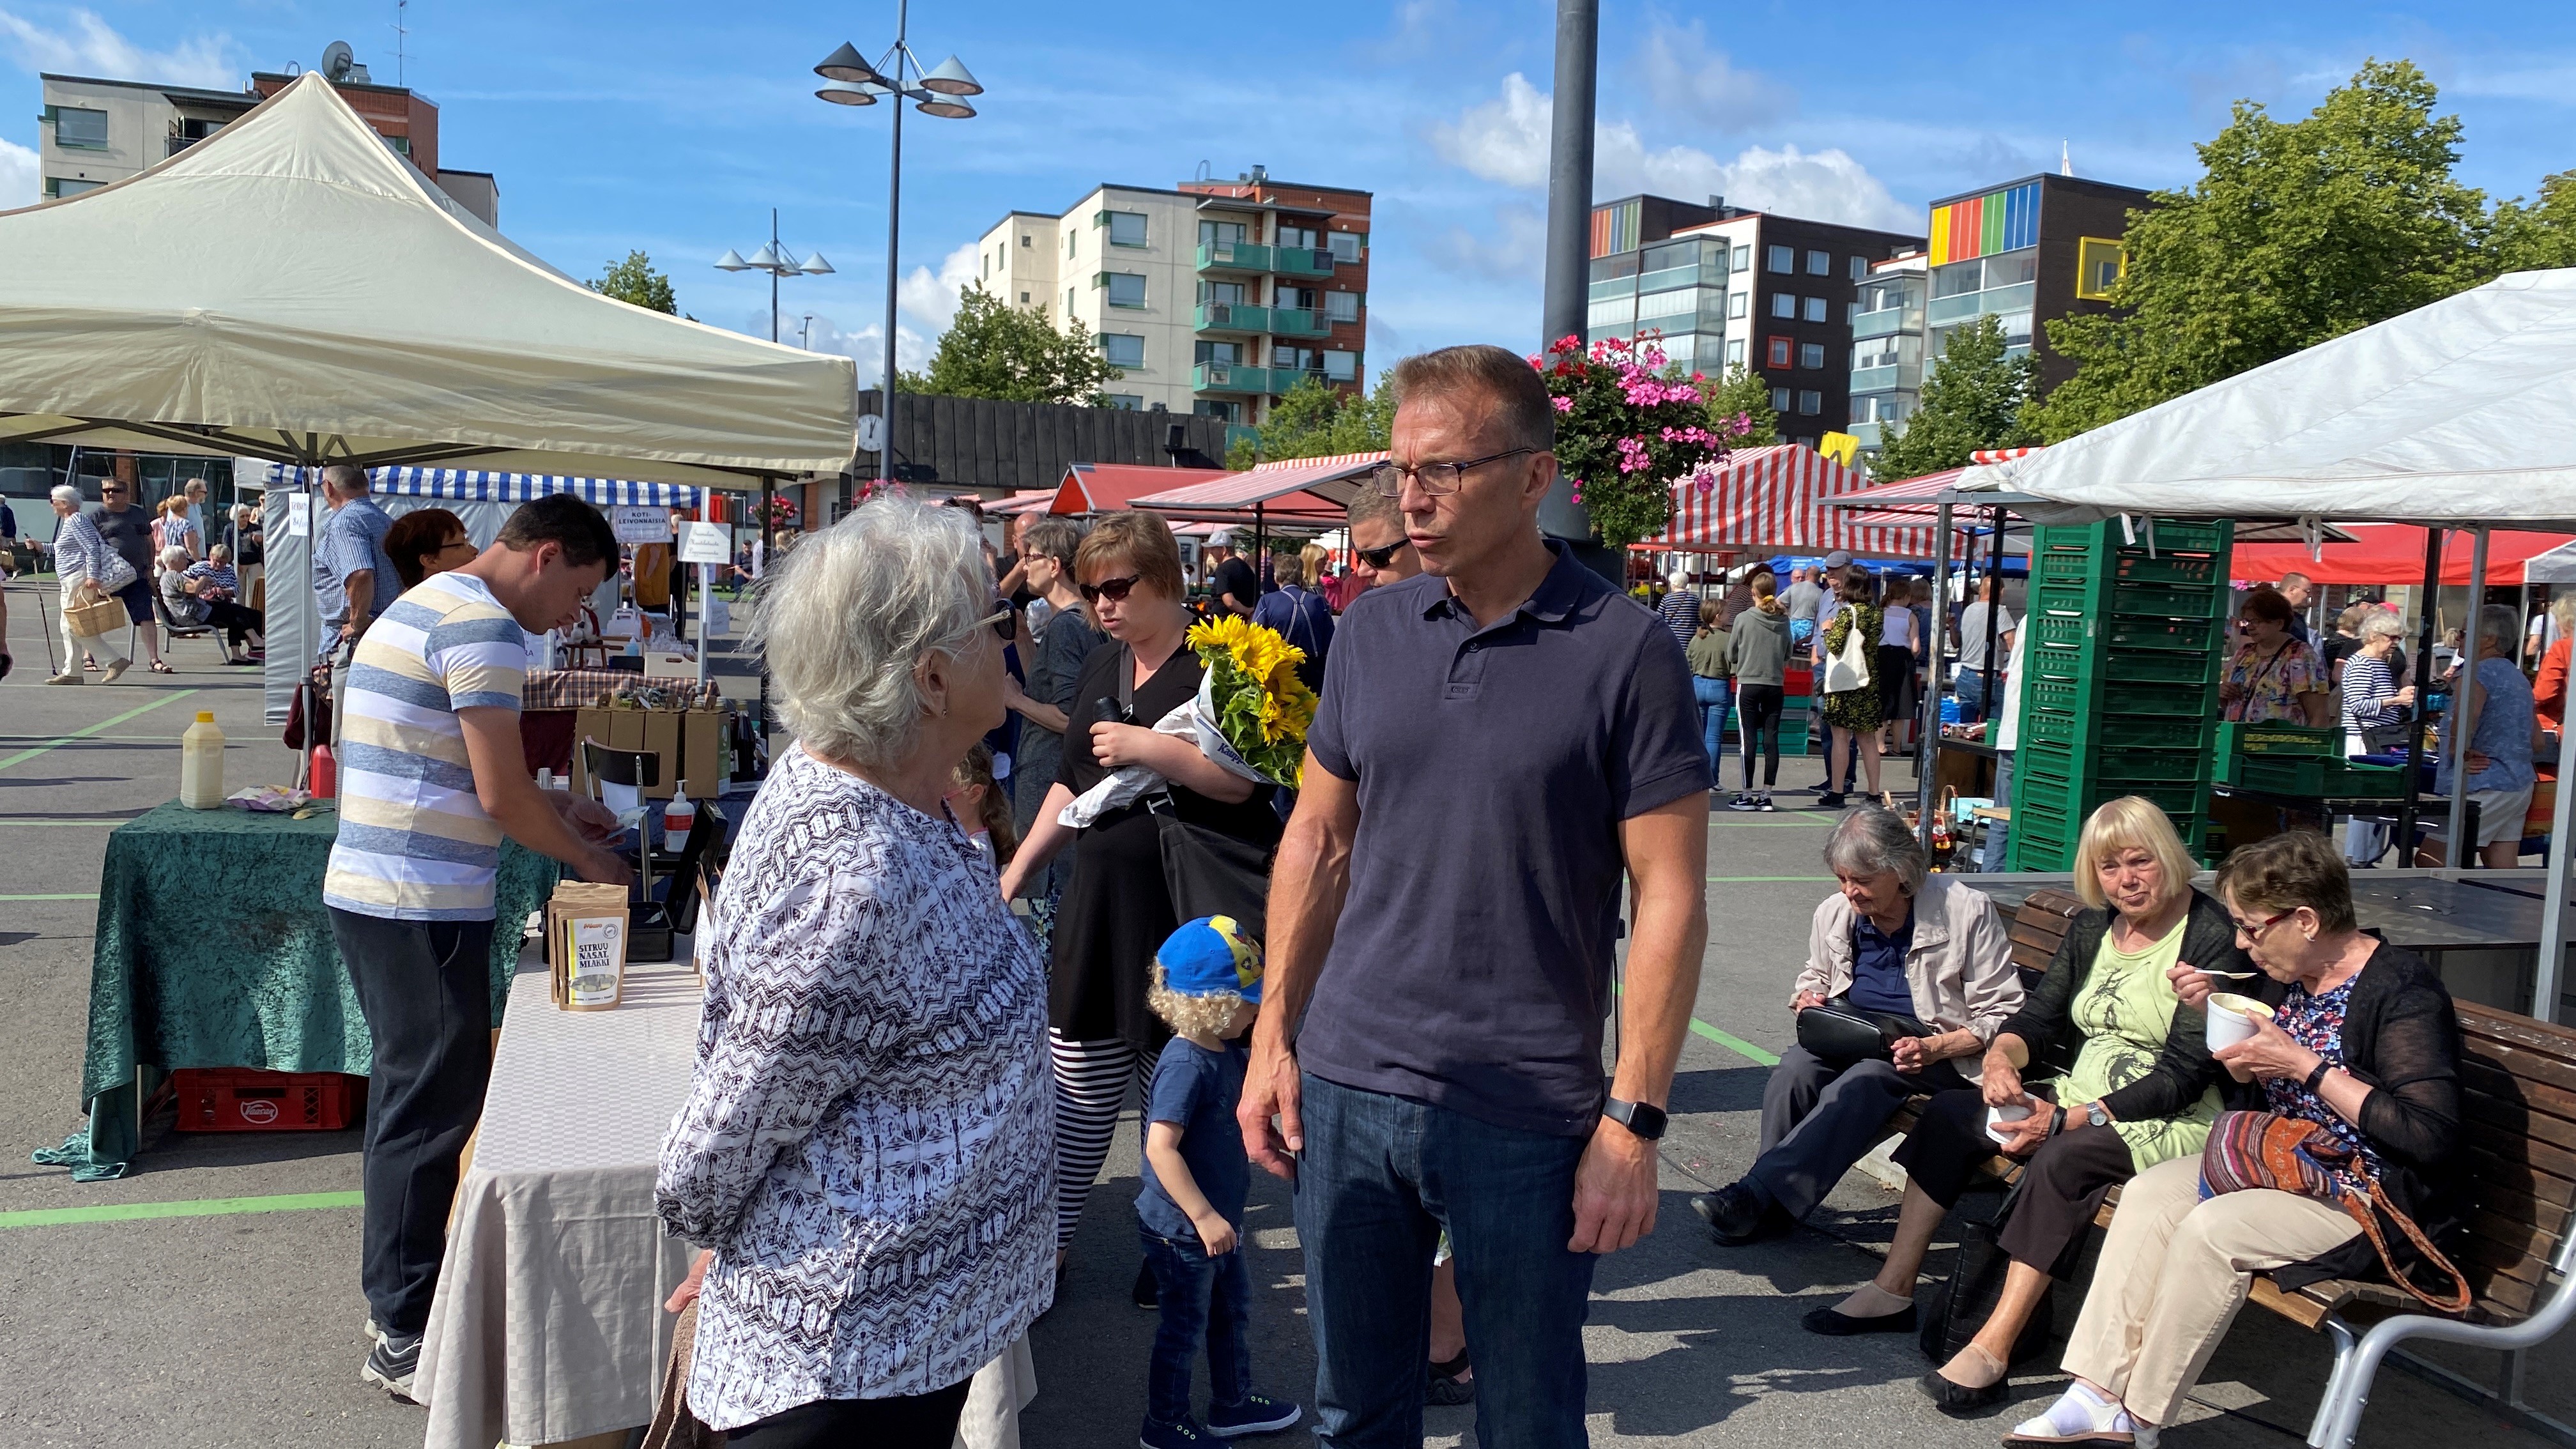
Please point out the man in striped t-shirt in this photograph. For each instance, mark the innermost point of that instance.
(431, 777)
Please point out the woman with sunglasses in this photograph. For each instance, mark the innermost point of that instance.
(1115, 910)
(427, 541)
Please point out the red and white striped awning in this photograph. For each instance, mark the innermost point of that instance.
(1775, 498)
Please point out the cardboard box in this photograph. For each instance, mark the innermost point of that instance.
(586, 945)
(689, 744)
(702, 751)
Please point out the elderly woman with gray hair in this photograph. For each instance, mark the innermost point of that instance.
(865, 1151)
(1907, 973)
(84, 562)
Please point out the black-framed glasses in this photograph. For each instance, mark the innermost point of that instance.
(1388, 478)
(1114, 590)
(1378, 558)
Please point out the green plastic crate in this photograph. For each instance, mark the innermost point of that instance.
(2154, 601)
(2168, 535)
(2119, 632)
(2080, 566)
(2271, 737)
(2119, 732)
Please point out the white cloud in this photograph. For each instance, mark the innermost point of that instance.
(18, 185)
(1687, 79)
(864, 346)
(931, 301)
(1509, 250)
(90, 46)
(1506, 140)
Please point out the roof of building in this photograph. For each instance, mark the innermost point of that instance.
(1107, 487)
(243, 99)
(2048, 177)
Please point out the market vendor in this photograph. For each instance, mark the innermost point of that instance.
(2274, 676)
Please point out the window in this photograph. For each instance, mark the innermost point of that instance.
(1341, 366)
(1738, 303)
(1125, 402)
(1859, 268)
(1784, 306)
(80, 129)
(2012, 268)
(1222, 233)
(1024, 299)
(1297, 236)
(1779, 399)
(1345, 245)
(1815, 309)
(1122, 349)
(1301, 298)
(1068, 301)
(1295, 359)
(1229, 293)
(1342, 306)
(1126, 228)
(1735, 352)
(1783, 259)
(1851, 313)
(1126, 289)
(1779, 354)
(1743, 260)
(1820, 264)
(1068, 243)
(1211, 408)
(1024, 238)
(1224, 353)
(2099, 264)
(1957, 278)
(61, 186)
(1810, 402)
(1811, 354)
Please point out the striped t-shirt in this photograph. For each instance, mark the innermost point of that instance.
(415, 844)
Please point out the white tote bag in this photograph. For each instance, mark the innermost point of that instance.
(1848, 669)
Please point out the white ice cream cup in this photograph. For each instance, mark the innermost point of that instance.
(2228, 1024)
(1996, 1117)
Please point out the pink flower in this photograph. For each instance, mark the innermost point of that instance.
(1562, 404)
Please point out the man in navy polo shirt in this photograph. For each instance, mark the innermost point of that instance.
(1499, 750)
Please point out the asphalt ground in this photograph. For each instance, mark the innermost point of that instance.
(198, 1323)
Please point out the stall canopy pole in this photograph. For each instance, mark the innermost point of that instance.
(710, 511)
(2455, 751)
(2410, 808)
(1994, 709)
(2553, 914)
(1926, 747)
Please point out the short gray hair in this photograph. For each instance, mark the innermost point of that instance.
(175, 557)
(1872, 839)
(220, 553)
(2500, 623)
(1513, 393)
(1056, 538)
(347, 477)
(850, 612)
(1368, 503)
(2381, 623)
(66, 493)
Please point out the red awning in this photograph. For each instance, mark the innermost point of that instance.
(2391, 554)
(1027, 500)
(1773, 498)
(1328, 483)
(1109, 487)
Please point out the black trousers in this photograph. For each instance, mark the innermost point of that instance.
(1757, 717)
(1817, 1120)
(914, 1421)
(425, 988)
(2062, 1185)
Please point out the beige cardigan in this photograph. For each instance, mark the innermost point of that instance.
(1959, 966)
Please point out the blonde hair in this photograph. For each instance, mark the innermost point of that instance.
(1136, 540)
(1207, 1015)
(1314, 556)
(993, 808)
(2130, 823)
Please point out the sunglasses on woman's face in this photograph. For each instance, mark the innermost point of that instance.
(1114, 590)
(1378, 558)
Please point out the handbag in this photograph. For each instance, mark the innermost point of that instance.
(1839, 1033)
(1963, 1302)
(1848, 669)
(2248, 1150)
(96, 617)
(118, 574)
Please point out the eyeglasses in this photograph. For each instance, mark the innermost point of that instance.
(464, 543)
(1378, 558)
(1434, 477)
(1114, 590)
(103, 492)
(2255, 932)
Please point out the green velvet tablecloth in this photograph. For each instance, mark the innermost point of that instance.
(214, 950)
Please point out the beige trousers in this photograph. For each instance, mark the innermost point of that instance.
(2174, 1271)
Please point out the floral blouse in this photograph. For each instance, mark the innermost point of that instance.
(2274, 681)
(2316, 1022)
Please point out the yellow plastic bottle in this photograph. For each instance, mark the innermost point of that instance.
(201, 764)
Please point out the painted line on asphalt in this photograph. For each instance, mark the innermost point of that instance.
(90, 897)
(44, 824)
(1749, 879)
(206, 1207)
(1733, 1043)
(61, 740)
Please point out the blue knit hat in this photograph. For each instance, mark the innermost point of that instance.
(1209, 957)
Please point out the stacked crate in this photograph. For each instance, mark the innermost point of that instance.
(2119, 679)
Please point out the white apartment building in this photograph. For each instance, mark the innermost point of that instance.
(1211, 300)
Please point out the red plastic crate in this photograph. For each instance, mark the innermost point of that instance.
(232, 1099)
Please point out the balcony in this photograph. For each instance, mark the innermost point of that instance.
(1894, 377)
(1871, 435)
(1277, 321)
(1886, 322)
(1242, 378)
(1251, 257)
(2015, 298)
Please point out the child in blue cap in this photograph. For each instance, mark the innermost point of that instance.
(1207, 988)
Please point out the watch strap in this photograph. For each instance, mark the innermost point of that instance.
(1639, 1118)
(2317, 1078)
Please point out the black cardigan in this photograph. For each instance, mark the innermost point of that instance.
(2183, 1071)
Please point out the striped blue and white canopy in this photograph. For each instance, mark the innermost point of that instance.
(474, 486)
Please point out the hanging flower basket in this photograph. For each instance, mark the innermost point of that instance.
(1629, 426)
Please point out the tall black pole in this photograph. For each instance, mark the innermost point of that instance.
(1569, 232)
(894, 236)
(773, 274)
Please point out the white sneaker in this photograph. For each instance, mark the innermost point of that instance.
(114, 669)
(72, 676)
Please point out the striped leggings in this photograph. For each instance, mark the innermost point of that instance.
(1091, 1080)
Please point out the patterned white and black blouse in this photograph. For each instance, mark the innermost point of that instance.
(869, 1136)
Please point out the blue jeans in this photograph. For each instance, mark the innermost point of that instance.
(1972, 693)
(1714, 696)
(1378, 1179)
(1199, 1295)
(1998, 832)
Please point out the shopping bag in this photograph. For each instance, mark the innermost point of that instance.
(97, 617)
(1964, 1300)
(1848, 669)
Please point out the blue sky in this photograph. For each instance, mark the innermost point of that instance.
(675, 127)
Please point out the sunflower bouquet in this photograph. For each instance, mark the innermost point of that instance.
(1251, 699)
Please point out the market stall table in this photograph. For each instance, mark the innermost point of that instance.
(213, 949)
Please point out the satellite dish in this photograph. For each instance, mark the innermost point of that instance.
(337, 58)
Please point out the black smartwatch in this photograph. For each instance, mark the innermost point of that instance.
(1646, 1122)
(2317, 1079)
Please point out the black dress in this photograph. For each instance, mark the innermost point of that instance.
(1115, 911)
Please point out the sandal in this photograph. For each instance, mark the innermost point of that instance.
(1450, 1383)
(160, 668)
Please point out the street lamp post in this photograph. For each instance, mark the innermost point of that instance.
(936, 92)
(778, 262)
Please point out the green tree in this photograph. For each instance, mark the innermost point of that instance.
(635, 280)
(1975, 399)
(1312, 420)
(1013, 354)
(2537, 236)
(1744, 393)
(2297, 232)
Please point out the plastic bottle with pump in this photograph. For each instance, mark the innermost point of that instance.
(679, 817)
(201, 764)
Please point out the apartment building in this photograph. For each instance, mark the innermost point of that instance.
(1723, 286)
(94, 131)
(2026, 252)
(1212, 297)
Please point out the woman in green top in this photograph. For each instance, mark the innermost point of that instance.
(1709, 676)
(1852, 716)
(2120, 1079)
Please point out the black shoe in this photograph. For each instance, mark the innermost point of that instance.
(1448, 1384)
(1741, 801)
(391, 1365)
(1958, 1400)
(1764, 804)
(1145, 1294)
(1736, 1212)
(1832, 801)
(1832, 1323)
